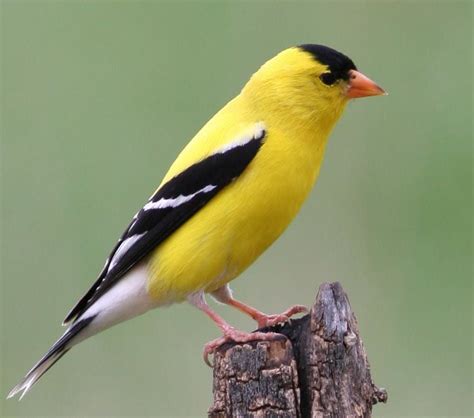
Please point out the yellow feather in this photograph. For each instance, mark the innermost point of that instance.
(231, 231)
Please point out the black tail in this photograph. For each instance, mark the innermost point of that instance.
(59, 348)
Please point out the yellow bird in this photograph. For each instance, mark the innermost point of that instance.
(228, 196)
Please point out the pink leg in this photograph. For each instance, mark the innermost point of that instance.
(230, 333)
(224, 295)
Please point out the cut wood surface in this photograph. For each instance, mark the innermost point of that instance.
(318, 368)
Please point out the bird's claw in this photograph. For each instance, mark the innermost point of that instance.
(233, 335)
(271, 320)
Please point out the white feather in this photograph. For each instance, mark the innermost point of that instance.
(256, 132)
(176, 201)
(126, 299)
(123, 248)
(26, 384)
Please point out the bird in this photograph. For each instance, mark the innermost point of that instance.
(230, 193)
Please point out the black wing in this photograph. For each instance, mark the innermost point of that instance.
(170, 207)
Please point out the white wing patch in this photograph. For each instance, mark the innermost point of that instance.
(176, 201)
(124, 247)
(160, 204)
(256, 132)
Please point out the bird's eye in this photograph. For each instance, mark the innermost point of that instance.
(328, 78)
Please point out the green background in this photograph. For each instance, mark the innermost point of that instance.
(97, 99)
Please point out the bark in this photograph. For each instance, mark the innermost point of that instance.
(318, 369)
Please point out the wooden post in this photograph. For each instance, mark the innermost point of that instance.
(318, 369)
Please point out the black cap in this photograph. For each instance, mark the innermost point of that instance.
(338, 63)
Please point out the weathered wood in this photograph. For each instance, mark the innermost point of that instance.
(318, 370)
(257, 379)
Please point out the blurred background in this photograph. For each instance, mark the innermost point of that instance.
(98, 97)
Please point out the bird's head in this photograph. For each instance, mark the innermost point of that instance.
(309, 82)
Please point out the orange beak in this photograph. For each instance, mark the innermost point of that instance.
(362, 86)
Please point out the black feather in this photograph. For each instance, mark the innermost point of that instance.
(157, 224)
(338, 63)
(59, 348)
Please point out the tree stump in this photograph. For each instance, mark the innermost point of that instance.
(318, 368)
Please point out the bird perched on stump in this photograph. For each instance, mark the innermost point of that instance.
(227, 197)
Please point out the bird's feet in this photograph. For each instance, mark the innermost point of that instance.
(233, 335)
(230, 333)
(264, 320)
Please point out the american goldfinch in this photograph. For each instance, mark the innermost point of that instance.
(228, 196)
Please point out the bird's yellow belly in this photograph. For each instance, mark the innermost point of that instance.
(225, 237)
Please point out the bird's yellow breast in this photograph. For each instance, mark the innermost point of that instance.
(237, 225)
